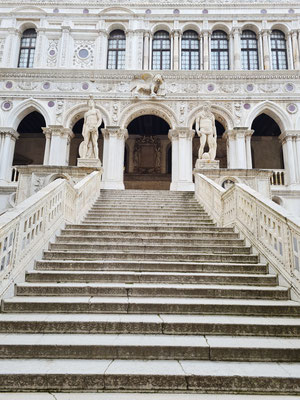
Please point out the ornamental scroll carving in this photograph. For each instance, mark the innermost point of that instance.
(147, 155)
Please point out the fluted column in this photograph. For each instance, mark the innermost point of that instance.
(146, 50)
(206, 50)
(64, 45)
(295, 46)
(113, 157)
(266, 48)
(182, 152)
(59, 144)
(176, 51)
(291, 149)
(8, 140)
(237, 48)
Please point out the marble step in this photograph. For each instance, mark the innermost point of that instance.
(148, 256)
(142, 266)
(154, 277)
(164, 208)
(95, 246)
(170, 324)
(151, 234)
(83, 238)
(109, 220)
(150, 347)
(152, 289)
(143, 305)
(150, 227)
(149, 376)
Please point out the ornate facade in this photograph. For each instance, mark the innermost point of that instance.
(150, 67)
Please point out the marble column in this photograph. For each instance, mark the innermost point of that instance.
(146, 50)
(260, 51)
(266, 48)
(239, 148)
(291, 151)
(47, 134)
(59, 144)
(295, 46)
(176, 51)
(237, 48)
(229, 136)
(182, 158)
(206, 50)
(113, 157)
(8, 140)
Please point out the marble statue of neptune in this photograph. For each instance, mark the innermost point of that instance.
(92, 120)
(206, 130)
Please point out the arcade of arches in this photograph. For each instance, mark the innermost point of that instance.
(148, 147)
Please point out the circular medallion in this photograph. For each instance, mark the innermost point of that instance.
(51, 103)
(6, 105)
(210, 87)
(176, 11)
(250, 87)
(9, 85)
(148, 11)
(46, 85)
(247, 106)
(289, 87)
(204, 11)
(85, 11)
(85, 86)
(83, 53)
(292, 108)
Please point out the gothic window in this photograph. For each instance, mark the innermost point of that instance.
(161, 50)
(278, 50)
(116, 50)
(219, 51)
(27, 49)
(249, 50)
(190, 54)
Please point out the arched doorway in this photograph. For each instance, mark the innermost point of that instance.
(77, 139)
(148, 154)
(221, 146)
(30, 146)
(265, 144)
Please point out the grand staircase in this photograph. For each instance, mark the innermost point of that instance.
(148, 294)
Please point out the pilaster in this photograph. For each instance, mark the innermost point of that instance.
(113, 157)
(291, 150)
(182, 158)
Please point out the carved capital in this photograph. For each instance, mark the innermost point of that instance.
(242, 132)
(58, 130)
(289, 135)
(114, 131)
(9, 132)
(173, 134)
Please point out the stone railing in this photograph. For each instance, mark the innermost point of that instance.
(270, 228)
(278, 177)
(27, 228)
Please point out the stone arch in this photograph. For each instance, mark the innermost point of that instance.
(161, 27)
(27, 25)
(53, 177)
(116, 26)
(191, 27)
(137, 110)
(281, 27)
(272, 110)
(220, 113)
(77, 112)
(25, 108)
(251, 27)
(221, 27)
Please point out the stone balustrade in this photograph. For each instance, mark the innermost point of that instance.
(27, 228)
(271, 230)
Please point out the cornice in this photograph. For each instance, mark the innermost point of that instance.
(92, 74)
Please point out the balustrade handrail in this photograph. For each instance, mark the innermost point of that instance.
(272, 230)
(26, 229)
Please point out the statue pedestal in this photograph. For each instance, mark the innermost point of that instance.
(89, 162)
(207, 164)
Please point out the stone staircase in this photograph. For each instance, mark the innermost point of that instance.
(148, 294)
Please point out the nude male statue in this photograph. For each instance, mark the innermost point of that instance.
(92, 120)
(206, 129)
